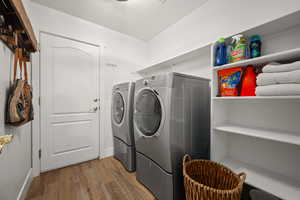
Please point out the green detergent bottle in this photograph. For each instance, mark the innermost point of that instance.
(240, 48)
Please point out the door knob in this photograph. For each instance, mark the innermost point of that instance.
(93, 110)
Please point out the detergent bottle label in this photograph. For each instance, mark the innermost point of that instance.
(239, 53)
(255, 50)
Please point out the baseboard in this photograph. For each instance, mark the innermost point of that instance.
(107, 152)
(25, 187)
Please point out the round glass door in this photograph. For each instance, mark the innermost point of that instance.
(148, 112)
(118, 107)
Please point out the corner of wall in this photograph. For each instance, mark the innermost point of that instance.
(108, 152)
(25, 187)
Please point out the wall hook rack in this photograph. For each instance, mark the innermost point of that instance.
(14, 21)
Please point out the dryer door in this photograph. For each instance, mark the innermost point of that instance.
(118, 108)
(120, 116)
(148, 113)
(151, 130)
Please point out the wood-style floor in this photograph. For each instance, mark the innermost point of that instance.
(94, 180)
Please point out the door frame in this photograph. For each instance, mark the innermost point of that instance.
(37, 123)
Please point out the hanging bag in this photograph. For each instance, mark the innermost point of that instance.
(19, 106)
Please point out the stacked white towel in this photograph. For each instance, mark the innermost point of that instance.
(278, 90)
(279, 80)
(277, 67)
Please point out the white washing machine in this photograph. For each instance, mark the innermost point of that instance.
(171, 118)
(122, 124)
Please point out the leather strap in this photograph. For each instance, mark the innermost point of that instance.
(16, 58)
(25, 70)
(22, 63)
(25, 60)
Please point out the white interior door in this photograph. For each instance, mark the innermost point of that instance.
(69, 102)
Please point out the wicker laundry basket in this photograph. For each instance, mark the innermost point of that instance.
(207, 180)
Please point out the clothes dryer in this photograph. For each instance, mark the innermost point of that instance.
(122, 124)
(171, 118)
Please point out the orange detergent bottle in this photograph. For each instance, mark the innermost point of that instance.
(249, 82)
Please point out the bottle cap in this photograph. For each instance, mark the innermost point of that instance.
(221, 40)
(236, 38)
(255, 38)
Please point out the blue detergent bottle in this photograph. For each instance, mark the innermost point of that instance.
(220, 52)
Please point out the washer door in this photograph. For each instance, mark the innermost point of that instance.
(118, 108)
(148, 112)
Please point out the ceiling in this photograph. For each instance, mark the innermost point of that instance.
(142, 19)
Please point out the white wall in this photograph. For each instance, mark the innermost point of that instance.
(121, 56)
(197, 66)
(216, 18)
(15, 161)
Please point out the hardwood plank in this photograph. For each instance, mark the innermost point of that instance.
(90, 182)
(67, 187)
(50, 183)
(129, 183)
(93, 180)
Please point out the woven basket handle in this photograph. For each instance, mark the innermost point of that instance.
(186, 158)
(242, 176)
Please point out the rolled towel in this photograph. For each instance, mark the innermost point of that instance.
(278, 90)
(278, 78)
(277, 67)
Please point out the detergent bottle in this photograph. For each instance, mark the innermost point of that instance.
(240, 48)
(228, 51)
(248, 82)
(220, 52)
(255, 46)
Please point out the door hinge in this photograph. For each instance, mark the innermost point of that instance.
(40, 153)
(39, 101)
